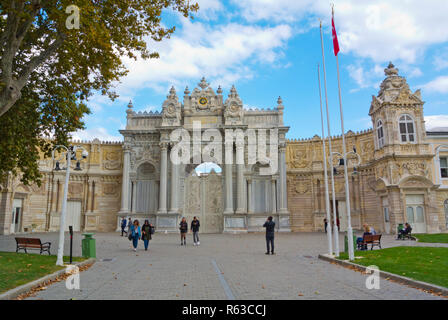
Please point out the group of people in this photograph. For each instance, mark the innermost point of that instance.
(405, 231)
(135, 233)
(368, 230)
(194, 228)
(326, 224)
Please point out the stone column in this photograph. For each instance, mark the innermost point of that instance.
(163, 177)
(240, 178)
(250, 205)
(125, 183)
(174, 188)
(282, 179)
(228, 177)
(134, 196)
(273, 197)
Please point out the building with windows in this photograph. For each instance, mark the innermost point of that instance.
(400, 174)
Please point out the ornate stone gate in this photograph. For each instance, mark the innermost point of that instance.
(204, 199)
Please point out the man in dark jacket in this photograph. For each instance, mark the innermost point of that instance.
(123, 226)
(195, 229)
(270, 229)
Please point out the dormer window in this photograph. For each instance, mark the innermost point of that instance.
(407, 131)
(380, 133)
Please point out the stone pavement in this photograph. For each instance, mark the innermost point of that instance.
(225, 266)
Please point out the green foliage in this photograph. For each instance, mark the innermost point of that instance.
(428, 264)
(17, 269)
(47, 71)
(432, 238)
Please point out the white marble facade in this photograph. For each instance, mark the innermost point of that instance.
(238, 200)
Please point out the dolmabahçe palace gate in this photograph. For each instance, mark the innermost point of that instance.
(402, 175)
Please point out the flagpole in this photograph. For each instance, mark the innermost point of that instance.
(351, 254)
(335, 225)
(327, 197)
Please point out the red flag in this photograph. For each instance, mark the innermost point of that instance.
(335, 38)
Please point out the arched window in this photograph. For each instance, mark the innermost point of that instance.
(380, 133)
(406, 125)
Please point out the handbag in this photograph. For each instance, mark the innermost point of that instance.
(130, 236)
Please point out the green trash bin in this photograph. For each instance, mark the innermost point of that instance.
(88, 246)
(346, 243)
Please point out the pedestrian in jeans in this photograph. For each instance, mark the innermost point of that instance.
(136, 234)
(123, 226)
(195, 229)
(146, 234)
(270, 228)
(183, 227)
(129, 225)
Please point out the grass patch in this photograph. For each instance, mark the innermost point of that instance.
(426, 264)
(17, 269)
(432, 238)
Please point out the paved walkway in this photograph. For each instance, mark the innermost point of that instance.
(225, 266)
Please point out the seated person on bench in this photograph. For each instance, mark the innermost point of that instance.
(359, 240)
(407, 230)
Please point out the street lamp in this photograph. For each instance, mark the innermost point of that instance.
(70, 154)
(343, 161)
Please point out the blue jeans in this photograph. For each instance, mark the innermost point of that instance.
(135, 241)
(146, 242)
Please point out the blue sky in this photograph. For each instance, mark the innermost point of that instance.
(271, 48)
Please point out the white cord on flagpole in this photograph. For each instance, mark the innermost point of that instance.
(327, 196)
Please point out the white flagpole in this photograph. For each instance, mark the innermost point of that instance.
(351, 254)
(335, 225)
(327, 197)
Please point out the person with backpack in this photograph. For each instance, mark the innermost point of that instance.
(270, 229)
(183, 227)
(123, 226)
(195, 229)
(146, 234)
(136, 234)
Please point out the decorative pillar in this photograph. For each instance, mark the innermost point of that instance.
(134, 196)
(174, 188)
(282, 191)
(250, 206)
(240, 178)
(273, 197)
(125, 184)
(228, 177)
(163, 177)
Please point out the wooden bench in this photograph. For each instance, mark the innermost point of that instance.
(32, 243)
(374, 240)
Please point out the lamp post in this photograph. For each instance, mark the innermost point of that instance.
(343, 161)
(70, 154)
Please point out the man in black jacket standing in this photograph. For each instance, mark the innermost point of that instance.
(195, 229)
(270, 229)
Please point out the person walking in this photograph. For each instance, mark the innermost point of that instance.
(183, 227)
(326, 224)
(146, 234)
(136, 234)
(123, 226)
(195, 229)
(270, 229)
(129, 225)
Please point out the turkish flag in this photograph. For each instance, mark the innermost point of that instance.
(335, 38)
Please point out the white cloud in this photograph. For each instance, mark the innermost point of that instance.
(209, 9)
(382, 30)
(441, 59)
(223, 54)
(98, 132)
(438, 85)
(437, 121)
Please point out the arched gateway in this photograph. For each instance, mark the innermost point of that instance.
(162, 149)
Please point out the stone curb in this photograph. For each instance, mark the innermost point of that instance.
(390, 276)
(14, 293)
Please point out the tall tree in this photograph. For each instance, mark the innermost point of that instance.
(50, 65)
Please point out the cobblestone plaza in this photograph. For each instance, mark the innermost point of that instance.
(224, 266)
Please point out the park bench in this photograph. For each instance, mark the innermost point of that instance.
(32, 243)
(374, 240)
